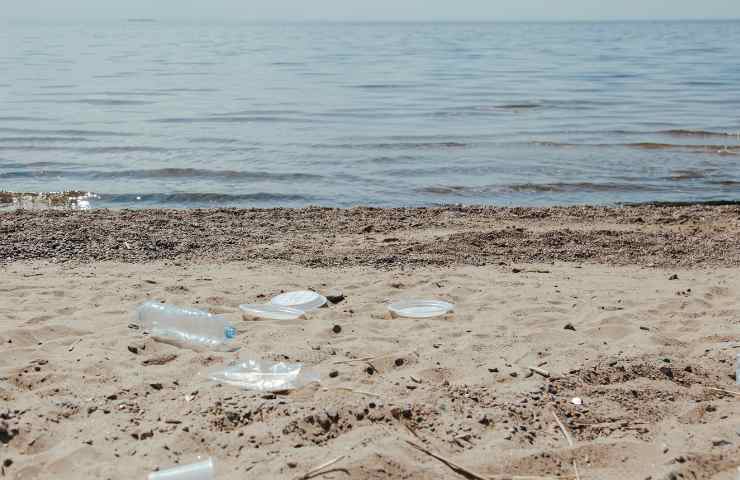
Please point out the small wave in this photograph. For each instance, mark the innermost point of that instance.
(195, 199)
(726, 183)
(678, 175)
(561, 187)
(165, 173)
(22, 119)
(696, 133)
(88, 150)
(220, 141)
(382, 86)
(226, 119)
(392, 146)
(43, 139)
(105, 102)
(70, 132)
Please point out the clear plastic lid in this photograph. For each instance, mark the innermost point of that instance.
(301, 300)
(420, 308)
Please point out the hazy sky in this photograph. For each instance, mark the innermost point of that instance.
(373, 9)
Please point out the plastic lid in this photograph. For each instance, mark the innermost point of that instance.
(272, 312)
(302, 300)
(421, 308)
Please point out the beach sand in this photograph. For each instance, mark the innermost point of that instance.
(634, 310)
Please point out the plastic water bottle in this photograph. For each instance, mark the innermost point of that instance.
(186, 327)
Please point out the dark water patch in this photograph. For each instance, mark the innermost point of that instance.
(680, 175)
(68, 132)
(384, 86)
(726, 183)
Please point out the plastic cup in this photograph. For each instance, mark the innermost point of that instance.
(194, 471)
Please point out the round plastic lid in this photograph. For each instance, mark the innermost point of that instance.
(303, 300)
(421, 308)
(272, 312)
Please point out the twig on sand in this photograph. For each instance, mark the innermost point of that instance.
(729, 392)
(540, 371)
(568, 438)
(316, 471)
(355, 360)
(360, 392)
(465, 472)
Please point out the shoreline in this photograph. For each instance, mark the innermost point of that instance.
(649, 235)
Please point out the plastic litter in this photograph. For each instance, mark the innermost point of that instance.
(577, 401)
(420, 308)
(195, 471)
(269, 311)
(185, 327)
(301, 300)
(264, 375)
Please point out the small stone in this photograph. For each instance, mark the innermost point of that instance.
(493, 370)
(667, 371)
(645, 328)
(336, 329)
(720, 442)
(516, 270)
(292, 464)
(399, 362)
(335, 296)
(334, 374)
(514, 374)
(133, 349)
(569, 326)
(673, 277)
(156, 386)
(7, 462)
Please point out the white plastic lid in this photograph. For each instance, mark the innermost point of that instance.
(302, 300)
(271, 312)
(420, 308)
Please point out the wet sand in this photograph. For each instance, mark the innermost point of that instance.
(634, 310)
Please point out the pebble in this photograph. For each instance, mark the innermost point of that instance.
(337, 329)
(335, 296)
(569, 326)
(292, 464)
(334, 374)
(673, 277)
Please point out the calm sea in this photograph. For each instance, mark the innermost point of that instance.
(150, 113)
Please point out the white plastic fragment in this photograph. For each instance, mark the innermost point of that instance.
(195, 471)
(264, 375)
(269, 311)
(577, 401)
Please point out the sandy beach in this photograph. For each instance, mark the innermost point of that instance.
(634, 310)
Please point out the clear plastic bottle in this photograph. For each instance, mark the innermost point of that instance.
(186, 327)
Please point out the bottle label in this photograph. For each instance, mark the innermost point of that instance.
(230, 332)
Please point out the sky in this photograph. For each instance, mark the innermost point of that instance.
(373, 10)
